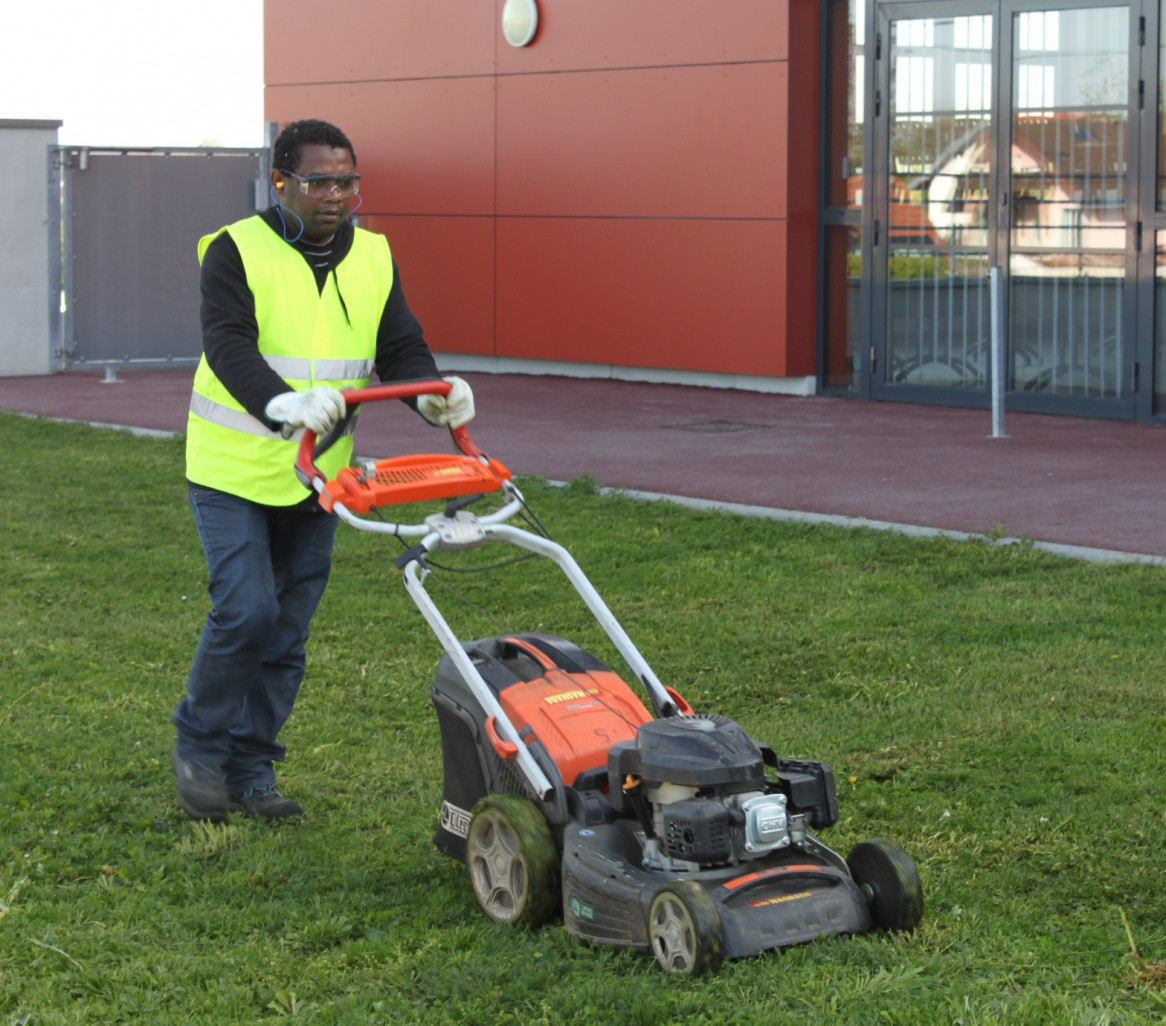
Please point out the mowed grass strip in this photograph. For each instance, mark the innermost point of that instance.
(995, 709)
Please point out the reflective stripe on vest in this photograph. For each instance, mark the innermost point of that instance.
(290, 368)
(241, 420)
(307, 336)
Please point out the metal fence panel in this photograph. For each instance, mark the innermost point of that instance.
(134, 219)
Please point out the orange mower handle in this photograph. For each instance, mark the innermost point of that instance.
(308, 452)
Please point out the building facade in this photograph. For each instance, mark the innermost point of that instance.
(788, 195)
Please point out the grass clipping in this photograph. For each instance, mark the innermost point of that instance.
(1151, 974)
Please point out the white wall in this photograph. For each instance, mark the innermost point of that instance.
(27, 334)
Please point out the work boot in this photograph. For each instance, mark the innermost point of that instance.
(266, 802)
(201, 791)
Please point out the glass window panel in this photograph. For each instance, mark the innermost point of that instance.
(979, 33)
(1069, 149)
(937, 260)
(973, 86)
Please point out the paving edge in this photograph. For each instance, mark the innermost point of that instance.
(793, 516)
(145, 432)
(1081, 552)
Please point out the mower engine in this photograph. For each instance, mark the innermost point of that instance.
(699, 787)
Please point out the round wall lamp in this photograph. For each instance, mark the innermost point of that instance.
(519, 21)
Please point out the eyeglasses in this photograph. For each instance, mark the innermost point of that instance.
(322, 185)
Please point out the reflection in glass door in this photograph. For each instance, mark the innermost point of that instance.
(1004, 140)
(936, 202)
(1068, 173)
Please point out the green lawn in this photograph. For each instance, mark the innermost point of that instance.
(995, 709)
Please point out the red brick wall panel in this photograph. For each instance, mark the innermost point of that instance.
(447, 272)
(370, 40)
(423, 147)
(587, 34)
(659, 142)
(697, 295)
(447, 266)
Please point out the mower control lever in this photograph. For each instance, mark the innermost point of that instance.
(451, 508)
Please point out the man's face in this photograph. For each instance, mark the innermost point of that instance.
(321, 208)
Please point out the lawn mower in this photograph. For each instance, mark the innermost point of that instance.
(666, 831)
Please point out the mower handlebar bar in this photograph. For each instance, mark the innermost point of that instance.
(306, 469)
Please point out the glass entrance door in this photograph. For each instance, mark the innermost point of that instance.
(1002, 140)
(937, 219)
(1070, 323)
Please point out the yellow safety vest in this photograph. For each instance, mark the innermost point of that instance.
(307, 337)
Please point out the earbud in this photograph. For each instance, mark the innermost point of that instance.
(279, 209)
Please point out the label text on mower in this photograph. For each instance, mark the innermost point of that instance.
(566, 696)
(455, 820)
(579, 910)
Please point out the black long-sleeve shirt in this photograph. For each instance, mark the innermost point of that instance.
(230, 333)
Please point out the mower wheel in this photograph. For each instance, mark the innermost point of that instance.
(685, 930)
(512, 860)
(890, 881)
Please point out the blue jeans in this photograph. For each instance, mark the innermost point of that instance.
(268, 567)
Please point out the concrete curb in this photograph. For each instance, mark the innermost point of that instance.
(1090, 555)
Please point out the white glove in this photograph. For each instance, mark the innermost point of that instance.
(316, 409)
(451, 410)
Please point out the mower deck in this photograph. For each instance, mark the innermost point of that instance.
(787, 898)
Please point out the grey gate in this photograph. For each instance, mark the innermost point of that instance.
(128, 235)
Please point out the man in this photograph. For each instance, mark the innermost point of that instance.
(296, 305)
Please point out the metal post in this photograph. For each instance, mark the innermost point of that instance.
(262, 183)
(56, 255)
(995, 278)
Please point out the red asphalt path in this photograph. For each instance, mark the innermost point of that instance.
(1067, 481)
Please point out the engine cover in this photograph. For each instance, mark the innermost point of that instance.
(713, 832)
(708, 752)
(697, 830)
(766, 823)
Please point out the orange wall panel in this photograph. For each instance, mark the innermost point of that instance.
(659, 142)
(447, 271)
(637, 33)
(371, 40)
(627, 190)
(694, 295)
(424, 147)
